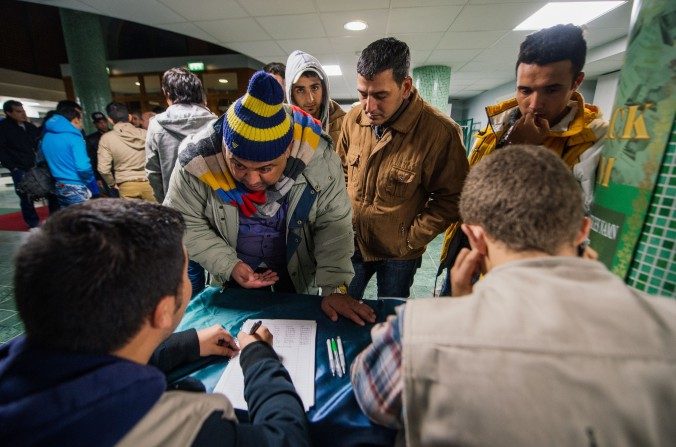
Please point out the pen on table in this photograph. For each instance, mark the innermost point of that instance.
(341, 354)
(334, 348)
(255, 327)
(331, 363)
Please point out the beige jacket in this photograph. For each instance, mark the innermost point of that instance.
(406, 186)
(546, 352)
(336, 117)
(122, 156)
(322, 259)
(176, 419)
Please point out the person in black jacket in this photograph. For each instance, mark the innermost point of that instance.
(80, 375)
(18, 147)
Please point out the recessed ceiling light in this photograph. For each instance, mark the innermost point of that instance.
(137, 83)
(577, 13)
(332, 70)
(356, 25)
(223, 81)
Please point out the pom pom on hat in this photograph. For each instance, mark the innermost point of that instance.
(256, 127)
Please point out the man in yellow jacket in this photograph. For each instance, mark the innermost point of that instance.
(547, 110)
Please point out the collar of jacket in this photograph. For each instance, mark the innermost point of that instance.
(213, 143)
(406, 120)
(118, 126)
(498, 115)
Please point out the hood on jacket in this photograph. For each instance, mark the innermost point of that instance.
(184, 119)
(58, 398)
(134, 137)
(296, 64)
(59, 124)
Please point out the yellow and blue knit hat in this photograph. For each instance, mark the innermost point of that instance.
(256, 127)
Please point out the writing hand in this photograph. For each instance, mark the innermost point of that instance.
(529, 129)
(340, 304)
(245, 277)
(215, 340)
(261, 334)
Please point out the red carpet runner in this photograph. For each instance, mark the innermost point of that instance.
(14, 221)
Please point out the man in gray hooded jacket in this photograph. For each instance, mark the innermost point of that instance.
(186, 115)
(308, 88)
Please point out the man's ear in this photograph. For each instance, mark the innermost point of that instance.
(583, 233)
(407, 85)
(578, 80)
(477, 237)
(163, 317)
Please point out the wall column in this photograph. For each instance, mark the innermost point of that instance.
(634, 213)
(87, 58)
(434, 83)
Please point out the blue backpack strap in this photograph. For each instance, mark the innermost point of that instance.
(298, 219)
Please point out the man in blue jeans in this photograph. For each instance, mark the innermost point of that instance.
(405, 163)
(18, 144)
(66, 155)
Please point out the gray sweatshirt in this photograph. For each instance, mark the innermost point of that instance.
(165, 133)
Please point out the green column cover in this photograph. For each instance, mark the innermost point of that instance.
(634, 223)
(434, 82)
(87, 59)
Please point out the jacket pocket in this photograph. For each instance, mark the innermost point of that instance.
(400, 182)
(352, 167)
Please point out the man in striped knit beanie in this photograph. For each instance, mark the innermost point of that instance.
(265, 204)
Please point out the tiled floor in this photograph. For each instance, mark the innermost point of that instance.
(10, 325)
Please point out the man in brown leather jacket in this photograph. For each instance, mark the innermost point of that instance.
(405, 164)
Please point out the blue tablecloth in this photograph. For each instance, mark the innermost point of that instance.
(335, 419)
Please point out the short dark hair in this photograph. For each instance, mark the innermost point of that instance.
(9, 105)
(117, 112)
(275, 68)
(558, 43)
(94, 272)
(181, 86)
(382, 55)
(524, 197)
(69, 109)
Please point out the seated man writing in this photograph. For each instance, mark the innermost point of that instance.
(80, 376)
(265, 204)
(547, 349)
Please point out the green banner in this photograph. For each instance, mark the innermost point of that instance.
(639, 129)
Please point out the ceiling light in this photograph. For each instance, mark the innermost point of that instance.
(223, 81)
(332, 70)
(137, 83)
(356, 25)
(577, 13)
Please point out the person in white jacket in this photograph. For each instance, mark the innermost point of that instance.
(307, 86)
